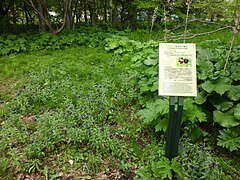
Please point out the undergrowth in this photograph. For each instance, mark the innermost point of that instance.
(86, 105)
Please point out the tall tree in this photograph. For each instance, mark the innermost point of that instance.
(92, 9)
(42, 9)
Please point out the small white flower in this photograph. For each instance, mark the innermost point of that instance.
(70, 162)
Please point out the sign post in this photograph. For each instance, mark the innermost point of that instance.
(177, 78)
(174, 126)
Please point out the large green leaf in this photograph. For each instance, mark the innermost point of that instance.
(221, 103)
(229, 139)
(148, 115)
(192, 112)
(150, 62)
(234, 93)
(154, 109)
(151, 71)
(162, 105)
(163, 169)
(235, 72)
(205, 68)
(208, 86)
(225, 119)
(237, 112)
(162, 125)
(201, 98)
(221, 85)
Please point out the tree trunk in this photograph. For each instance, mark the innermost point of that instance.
(75, 15)
(110, 11)
(92, 7)
(13, 9)
(26, 15)
(41, 20)
(85, 11)
(105, 10)
(122, 15)
(115, 14)
(68, 11)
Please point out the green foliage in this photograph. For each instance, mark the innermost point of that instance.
(160, 170)
(229, 138)
(5, 169)
(197, 162)
(193, 162)
(219, 89)
(33, 165)
(28, 42)
(122, 45)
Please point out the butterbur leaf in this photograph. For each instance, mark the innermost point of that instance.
(221, 85)
(229, 139)
(208, 86)
(221, 103)
(225, 119)
(235, 72)
(237, 112)
(234, 93)
(201, 98)
(150, 62)
(154, 86)
(151, 71)
(205, 66)
(219, 65)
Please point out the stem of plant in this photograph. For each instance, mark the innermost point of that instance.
(229, 52)
(186, 22)
(153, 20)
(165, 23)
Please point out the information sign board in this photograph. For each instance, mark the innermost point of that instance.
(177, 69)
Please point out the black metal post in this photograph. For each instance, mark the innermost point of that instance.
(174, 126)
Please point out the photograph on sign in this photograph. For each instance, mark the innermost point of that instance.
(177, 69)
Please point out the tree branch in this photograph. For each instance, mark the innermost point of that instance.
(42, 16)
(67, 5)
(198, 20)
(201, 34)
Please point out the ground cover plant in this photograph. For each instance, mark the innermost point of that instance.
(85, 106)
